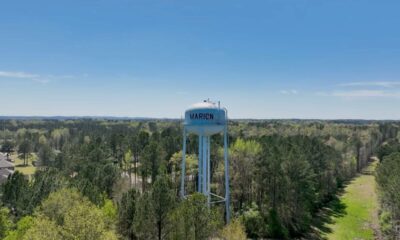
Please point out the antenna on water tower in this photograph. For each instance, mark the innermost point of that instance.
(206, 119)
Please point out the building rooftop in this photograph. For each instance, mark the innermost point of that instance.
(4, 173)
(5, 164)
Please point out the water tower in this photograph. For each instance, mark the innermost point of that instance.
(206, 119)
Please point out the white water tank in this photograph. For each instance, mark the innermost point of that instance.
(205, 118)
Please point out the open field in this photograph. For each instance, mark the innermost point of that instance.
(19, 164)
(358, 209)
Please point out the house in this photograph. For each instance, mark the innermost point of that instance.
(6, 168)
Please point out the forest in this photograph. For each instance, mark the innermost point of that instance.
(119, 178)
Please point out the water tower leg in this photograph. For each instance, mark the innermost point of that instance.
(183, 168)
(200, 164)
(204, 167)
(208, 170)
(227, 197)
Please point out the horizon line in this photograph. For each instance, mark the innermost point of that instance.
(106, 117)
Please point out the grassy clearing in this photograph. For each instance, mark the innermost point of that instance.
(19, 164)
(359, 209)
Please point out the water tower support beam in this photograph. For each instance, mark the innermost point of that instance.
(200, 164)
(204, 167)
(227, 198)
(208, 170)
(183, 168)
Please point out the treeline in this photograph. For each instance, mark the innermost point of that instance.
(119, 172)
(388, 180)
(127, 173)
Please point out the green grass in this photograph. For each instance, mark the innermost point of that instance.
(19, 164)
(359, 214)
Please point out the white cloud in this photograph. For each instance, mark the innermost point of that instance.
(43, 79)
(18, 75)
(385, 84)
(377, 89)
(287, 92)
(362, 94)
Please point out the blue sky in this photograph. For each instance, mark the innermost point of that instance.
(263, 59)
